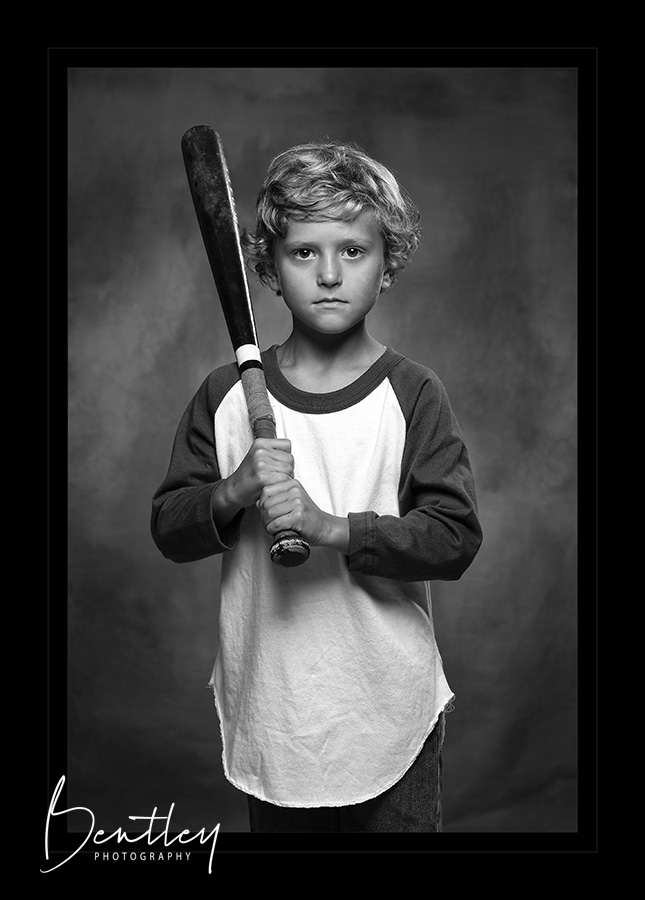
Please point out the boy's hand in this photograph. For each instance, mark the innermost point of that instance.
(286, 506)
(268, 461)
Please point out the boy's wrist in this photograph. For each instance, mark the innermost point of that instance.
(225, 504)
(336, 533)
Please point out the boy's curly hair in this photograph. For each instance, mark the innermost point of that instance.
(331, 180)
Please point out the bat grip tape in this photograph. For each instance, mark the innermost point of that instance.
(257, 401)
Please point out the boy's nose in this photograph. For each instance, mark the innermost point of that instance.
(329, 271)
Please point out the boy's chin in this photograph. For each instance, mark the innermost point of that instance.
(329, 321)
(329, 328)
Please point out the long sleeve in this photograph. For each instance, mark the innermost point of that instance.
(438, 533)
(182, 523)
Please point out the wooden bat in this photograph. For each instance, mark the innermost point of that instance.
(210, 186)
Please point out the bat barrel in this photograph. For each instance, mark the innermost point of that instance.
(210, 187)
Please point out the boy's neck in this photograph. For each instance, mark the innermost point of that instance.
(320, 363)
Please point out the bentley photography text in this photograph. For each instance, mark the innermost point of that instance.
(99, 837)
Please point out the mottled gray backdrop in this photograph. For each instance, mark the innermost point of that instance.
(489, 303)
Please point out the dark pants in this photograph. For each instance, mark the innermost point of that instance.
(412, 804)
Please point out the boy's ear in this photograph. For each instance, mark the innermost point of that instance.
(272, 279)
(386, 281)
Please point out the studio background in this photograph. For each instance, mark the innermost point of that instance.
(489, 303)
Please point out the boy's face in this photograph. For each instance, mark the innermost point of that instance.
(331, 273)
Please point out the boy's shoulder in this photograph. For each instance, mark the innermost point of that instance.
(227, 373)
(415, 377)
(421, 395)
(218, 383)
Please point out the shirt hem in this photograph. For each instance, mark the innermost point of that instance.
(446, 707)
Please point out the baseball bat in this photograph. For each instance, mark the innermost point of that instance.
(212, 194)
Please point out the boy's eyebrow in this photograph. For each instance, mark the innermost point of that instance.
(293, 243)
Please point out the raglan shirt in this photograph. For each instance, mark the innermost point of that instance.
(328, 677)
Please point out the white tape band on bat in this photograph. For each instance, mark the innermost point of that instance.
(246, 352)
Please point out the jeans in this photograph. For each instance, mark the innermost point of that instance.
(413, 804)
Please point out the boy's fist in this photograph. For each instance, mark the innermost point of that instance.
(267, 462)
(286, 506)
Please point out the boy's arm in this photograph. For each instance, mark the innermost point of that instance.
(196, 512)
(183, 524)
(438, 533)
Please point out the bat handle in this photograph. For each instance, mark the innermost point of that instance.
(288, 548)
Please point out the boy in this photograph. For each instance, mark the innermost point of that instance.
(328, 683)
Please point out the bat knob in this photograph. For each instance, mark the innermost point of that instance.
(289, 549)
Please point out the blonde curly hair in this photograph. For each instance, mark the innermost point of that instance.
(330, 180)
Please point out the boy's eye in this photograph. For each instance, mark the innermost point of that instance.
(307, 253)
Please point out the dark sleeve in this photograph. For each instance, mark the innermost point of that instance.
(438, 533)
(182, 523)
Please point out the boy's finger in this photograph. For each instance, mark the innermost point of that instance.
(276, 510)
(274, 477)
(283, 523)
(282, 458)
(271, 491)
(281, 444)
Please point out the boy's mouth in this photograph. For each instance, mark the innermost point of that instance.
(325, 301)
